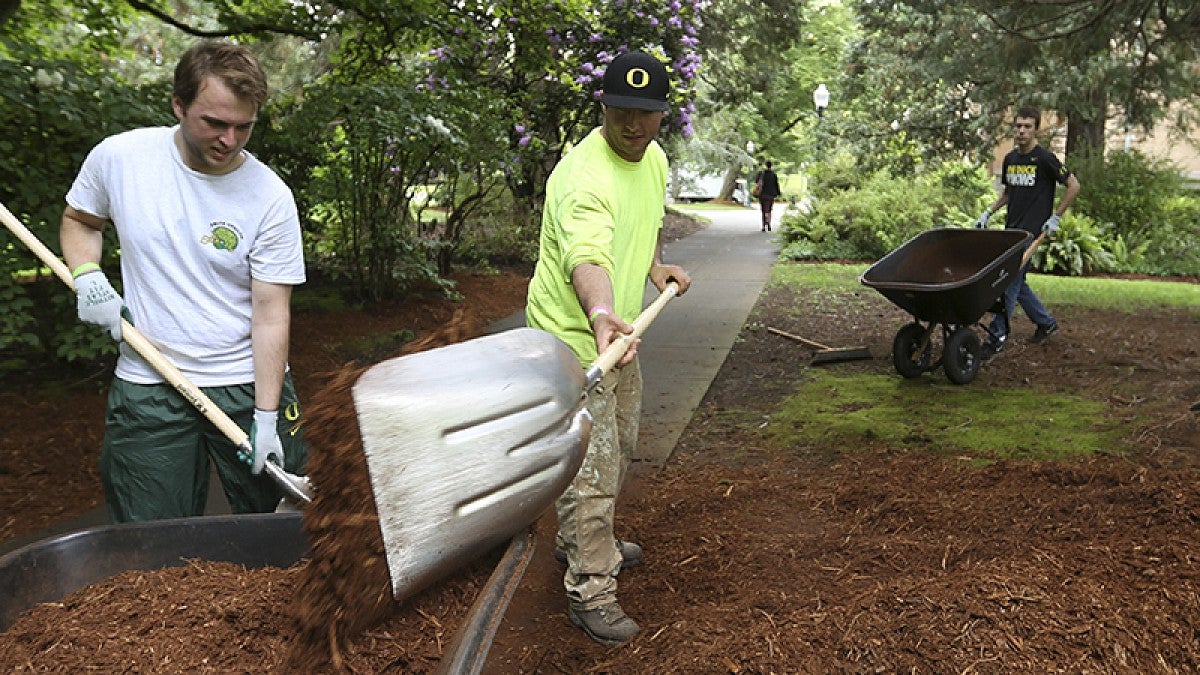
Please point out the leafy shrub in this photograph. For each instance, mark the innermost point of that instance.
(840, 173)
(53, 113)
(967, 187)
(17, 327)
(1076, 249)
(1127, 258)
(870, 221)
(1169, 247)
(1126, 190)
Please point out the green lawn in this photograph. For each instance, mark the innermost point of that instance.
(839, 408)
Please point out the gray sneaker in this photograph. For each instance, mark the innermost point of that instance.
(606, 624)
(631, 554)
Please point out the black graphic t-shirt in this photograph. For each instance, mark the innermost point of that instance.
(1030, 181)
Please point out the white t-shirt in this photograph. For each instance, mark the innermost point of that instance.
(190, 244)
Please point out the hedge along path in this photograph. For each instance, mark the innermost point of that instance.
(345, 589)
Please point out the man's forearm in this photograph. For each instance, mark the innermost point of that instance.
(269, 333)
(270, 359)
(592, 287)
(1068, 196)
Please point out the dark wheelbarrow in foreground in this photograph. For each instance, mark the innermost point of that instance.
(948, 277)
(51, 569)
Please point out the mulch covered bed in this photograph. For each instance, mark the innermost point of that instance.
(886, 563)
(910, 564)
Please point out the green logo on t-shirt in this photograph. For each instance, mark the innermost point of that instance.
(222, 238)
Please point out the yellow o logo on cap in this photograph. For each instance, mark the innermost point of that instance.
(637, 78)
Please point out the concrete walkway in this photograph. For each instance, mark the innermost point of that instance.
(681, 352)
(729, 262)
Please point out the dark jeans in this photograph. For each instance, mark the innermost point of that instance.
(1019, 292)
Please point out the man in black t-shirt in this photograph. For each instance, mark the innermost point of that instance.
(1030, 176)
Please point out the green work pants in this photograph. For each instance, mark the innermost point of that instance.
(155, 460)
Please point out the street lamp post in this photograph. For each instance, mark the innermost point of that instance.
(750, 174)
(821, 101)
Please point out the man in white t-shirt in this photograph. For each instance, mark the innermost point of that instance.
(210, 250)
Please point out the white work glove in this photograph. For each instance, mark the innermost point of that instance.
(98, 302)
(264, 439)
(982, 222)
(1051, 225)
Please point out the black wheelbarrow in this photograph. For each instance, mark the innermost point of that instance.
(948, 277)
(50, 569)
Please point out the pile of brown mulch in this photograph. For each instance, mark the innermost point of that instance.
(207, 617)
(883, 562)
(346, 588)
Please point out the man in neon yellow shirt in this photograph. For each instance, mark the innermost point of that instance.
(599, 243)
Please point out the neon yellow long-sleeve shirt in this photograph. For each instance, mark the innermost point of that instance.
(599, 209)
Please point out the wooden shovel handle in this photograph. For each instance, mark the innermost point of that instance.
(617, 348)
(136, 340)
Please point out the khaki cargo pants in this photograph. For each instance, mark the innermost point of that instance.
(586, 509)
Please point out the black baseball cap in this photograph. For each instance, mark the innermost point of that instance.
(636, 80)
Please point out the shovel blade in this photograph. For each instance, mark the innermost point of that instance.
(466, 445)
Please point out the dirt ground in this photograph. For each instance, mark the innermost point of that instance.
(762, 559)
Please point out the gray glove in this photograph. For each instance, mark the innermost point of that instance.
(264, 439)
(98, 302)
(1051, 225)
(982, 222)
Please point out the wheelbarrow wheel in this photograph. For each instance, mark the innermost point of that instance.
(904, 347)
(960, 357)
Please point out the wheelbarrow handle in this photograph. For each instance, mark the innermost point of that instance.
(295, 487)
(1032, 249)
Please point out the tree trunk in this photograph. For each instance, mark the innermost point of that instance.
(1085, 128)
(729, 182)
(1084, 136)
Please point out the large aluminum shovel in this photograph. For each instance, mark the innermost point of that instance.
(295, 488)
(469, 443)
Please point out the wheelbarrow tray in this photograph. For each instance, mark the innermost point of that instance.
(949, 275)
(50, 569)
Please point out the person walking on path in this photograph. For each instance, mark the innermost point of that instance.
(210, 249)
(1030, 176)
(767, 186)
(600, 241)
